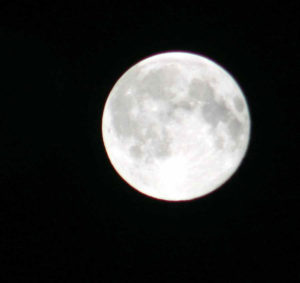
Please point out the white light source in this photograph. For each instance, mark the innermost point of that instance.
(176, 126)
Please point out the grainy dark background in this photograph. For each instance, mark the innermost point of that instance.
(66, 216)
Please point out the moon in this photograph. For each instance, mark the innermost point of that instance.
(176, 126)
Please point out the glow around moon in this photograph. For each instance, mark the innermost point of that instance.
(176, 126)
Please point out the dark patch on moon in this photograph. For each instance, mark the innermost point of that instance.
(156, 147)
(215, 112)
(161, 148)
(154, 83)
(235, 129)
(159, 142)
(183, 104)
(122, 122)
(219, 142)
(239, 104)
(201, 91)
(136, 151)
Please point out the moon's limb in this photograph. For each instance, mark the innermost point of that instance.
(176, 126)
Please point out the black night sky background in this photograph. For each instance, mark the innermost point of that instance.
(65, 214)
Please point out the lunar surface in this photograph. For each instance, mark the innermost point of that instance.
(176, 126)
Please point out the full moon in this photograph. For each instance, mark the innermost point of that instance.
(176, 126)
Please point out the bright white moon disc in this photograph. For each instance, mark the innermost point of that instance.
(176, 126)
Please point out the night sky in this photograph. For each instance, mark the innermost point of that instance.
(65, 214)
